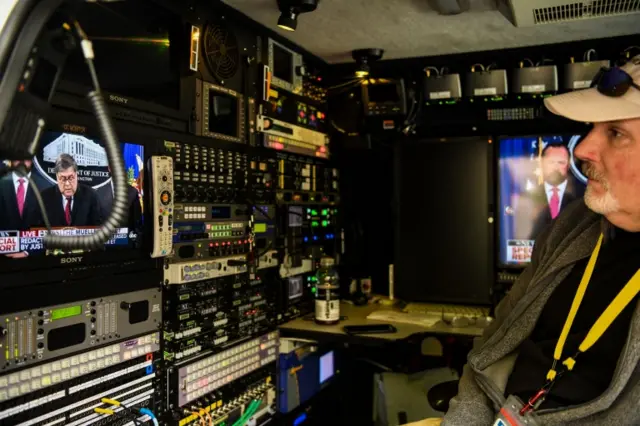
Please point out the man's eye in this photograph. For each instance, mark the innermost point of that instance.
(614, 133)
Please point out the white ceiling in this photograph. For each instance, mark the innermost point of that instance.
(410, 28)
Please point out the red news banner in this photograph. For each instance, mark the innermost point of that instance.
(33, 239)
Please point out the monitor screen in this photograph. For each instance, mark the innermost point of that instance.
(133, 55)
(295, 287)
(443, 242)
(73, 176)
(223, 113)
(327, 368)
(282, 64)
(383, 93)
(537, 178)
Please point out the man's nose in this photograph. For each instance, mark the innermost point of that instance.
(586, 150)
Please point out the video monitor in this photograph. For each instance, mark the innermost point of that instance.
(134, 53)
(223, 113)
(296, 288)
(538, 177)
(386, 92)
(327, 367)
(73, 176)
(282, 64)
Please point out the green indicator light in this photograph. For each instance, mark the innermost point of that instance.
(325, 223)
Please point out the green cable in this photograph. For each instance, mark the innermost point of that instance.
(253, 407)
(243, 419)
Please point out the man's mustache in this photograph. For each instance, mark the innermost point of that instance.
(590, 171)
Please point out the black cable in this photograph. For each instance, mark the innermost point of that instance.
(264, 213)
(266, 250)
(133, 412)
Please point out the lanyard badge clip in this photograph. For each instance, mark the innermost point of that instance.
(534, 402)
(515, 413)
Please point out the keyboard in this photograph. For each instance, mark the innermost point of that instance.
(446, 310)
(404, 318)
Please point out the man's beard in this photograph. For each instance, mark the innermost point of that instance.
(555, 178)
(603, 204)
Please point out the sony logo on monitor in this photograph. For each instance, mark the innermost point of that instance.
(68, 260)
(118, 99)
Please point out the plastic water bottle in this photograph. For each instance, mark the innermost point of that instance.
(327, 293)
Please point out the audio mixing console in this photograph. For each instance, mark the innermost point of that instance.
(193, 382)
(203, 174)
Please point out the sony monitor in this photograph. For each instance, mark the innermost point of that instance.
(538, 176)
(136, 52)
(73, 175)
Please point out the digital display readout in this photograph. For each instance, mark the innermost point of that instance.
(260, 228)
(71, 311)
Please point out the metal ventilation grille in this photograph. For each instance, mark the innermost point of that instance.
(586, 10)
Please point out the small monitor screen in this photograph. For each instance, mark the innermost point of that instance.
(73, 176)
(223, 113)
(538, 177)
(282, 64)
(383, 93)
(327, 368)
(295, 287)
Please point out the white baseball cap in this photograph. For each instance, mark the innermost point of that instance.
(593, 106)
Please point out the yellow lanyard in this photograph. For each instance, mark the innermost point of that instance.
(614, 309)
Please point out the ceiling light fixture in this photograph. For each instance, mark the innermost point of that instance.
(290, 9)
(364, 58)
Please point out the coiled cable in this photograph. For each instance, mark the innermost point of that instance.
(112, 147)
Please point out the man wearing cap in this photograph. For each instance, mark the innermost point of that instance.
(565, 346)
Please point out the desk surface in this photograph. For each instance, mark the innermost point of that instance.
(357, 315)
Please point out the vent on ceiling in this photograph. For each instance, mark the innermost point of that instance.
(524, 13)
(574, 11)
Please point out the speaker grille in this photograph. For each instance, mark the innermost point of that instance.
(584, 10)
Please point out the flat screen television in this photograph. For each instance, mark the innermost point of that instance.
(72, 173)
(537, 177)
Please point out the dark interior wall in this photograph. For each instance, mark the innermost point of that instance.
(367, 155)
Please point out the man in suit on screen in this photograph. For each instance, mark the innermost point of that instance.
(19, 208)
(538, 207)
(71, 203)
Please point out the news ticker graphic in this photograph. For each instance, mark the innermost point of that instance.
(519, 250)
(33, 239)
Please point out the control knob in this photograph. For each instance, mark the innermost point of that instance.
(125, 306)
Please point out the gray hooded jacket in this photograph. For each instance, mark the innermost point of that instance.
(572, 237)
